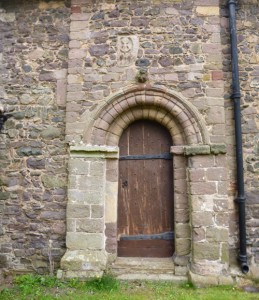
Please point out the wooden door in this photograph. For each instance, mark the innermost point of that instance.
(145, 199)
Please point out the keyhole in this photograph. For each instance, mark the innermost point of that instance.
(125, 183)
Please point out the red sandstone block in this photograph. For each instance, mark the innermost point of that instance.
(75, 9)
(181, 201)
(173, 77)
(78, 2)
(216, 115)
(61, 92)
(77, 53)
(111, 77)
(207, 2)
(221, 160)
(75, 96)
(212, 28)
(216, 174)
(179, 162)
(200, 161)
(71, 117)
(222, 188)
(112, 175)
(78, 25)
(73, 107)
(180, 186)
(180, 174)
(131, 101)
(224, 22)
(203, 188)
(217, 75)
(211, 48)
(182, 216)
(222, 219)
(197, 175)
(108, 118)
(215, 92)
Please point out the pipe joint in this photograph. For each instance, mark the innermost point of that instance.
(232, 2)
(236, 95)
(240, 199)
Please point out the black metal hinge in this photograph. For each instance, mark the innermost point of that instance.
(166, 156)
(159, 236)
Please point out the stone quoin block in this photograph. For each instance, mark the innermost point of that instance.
(208, 251)
(202, 218)
(84, 241)
(78, 211)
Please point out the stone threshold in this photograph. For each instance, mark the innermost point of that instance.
(139, 268)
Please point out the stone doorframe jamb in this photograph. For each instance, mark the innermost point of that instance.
(183, 225)
(207, 203)
(87, 195)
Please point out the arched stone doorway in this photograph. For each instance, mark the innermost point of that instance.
(93, 181)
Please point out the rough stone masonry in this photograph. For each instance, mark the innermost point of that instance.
(71, 75)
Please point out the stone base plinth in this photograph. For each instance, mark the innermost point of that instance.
(83, 264)
(209, 280)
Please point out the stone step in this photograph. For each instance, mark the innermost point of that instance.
(153, 277)
(138, 268)
(148, 264)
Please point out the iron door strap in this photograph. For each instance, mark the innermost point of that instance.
(159, 236)
(166, 156)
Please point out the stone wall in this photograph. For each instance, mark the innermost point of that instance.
(122, 55)
(248, 50)
(57, 56)
(33, 155)
(181, 45)
(176, 42)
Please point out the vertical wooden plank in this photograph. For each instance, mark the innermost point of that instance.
(123, 193)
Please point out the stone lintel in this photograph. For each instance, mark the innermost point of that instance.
(95, 151)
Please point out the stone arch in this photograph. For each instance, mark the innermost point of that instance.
(186, 126)
(167, 107)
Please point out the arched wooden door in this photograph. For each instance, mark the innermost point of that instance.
(145, 199)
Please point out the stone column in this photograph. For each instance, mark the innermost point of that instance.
(86, 255)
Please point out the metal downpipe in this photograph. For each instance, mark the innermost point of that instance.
(240, 199)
